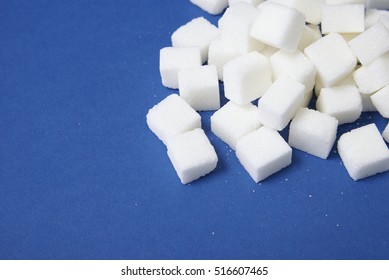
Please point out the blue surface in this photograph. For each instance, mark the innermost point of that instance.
(82, 177)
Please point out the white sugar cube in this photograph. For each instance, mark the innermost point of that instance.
(199, 87)
(246, 77)
(373, 16)
(278, 26)
(373, 77)
(192, 155)
(199, 32)
(377, 4)
(371, 44)
(172, 116)
(213, 7)
(313, 132)
(235, 26)
(385, 134)
(219, 54)
(280, 103)
(380, 100)
(343, 18)
(342, 102)
(263, 153)
(251, 2)
(231, 122)
(172, 60)
(333, 58)
(363, 152)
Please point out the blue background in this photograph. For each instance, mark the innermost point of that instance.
(82, 177)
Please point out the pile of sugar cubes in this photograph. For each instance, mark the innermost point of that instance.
(272, 56)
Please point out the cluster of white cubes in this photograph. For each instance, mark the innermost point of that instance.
(274, 54)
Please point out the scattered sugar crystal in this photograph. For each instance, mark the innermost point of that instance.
(172, 116)
(173, 59)
(199, 87)
(263, 153)
(278, 26)
(363, 152)
(342, 102)
(231, 122)
(192, 155)
(246, 77)
(313, 132)
(199, 32)
(349, 18)
(280, 103)
(380, 100)
(213, 7)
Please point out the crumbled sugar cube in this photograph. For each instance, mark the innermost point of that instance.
(192, 155)
(199, 87)
(235, 26)
(251, 2)
(385, 134)
(373, 16)
(371, 78)
(294, 65)
(280, 103)
(343, 18)
(231, 122)
(213, 7)
(380, 100)
(342, 102)
(313, 132)
(263, 153)
(333, 58)
(219, 54)
(172, 116)
(278, 26)
(246, 77)
(173, 59)
(199, 32)
(371, 44)
(309, 36)
(377, 4)
(363, 152)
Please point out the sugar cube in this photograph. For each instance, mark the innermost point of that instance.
(263, 153)
(246, 77)
(363, 152)
(380, 100)
(213, 7)
(333, 58)
(313, 132)
(280, 103)
(348, 18)
(172, 116)
(385, 134)
(172, 60)
(278, 26)
(199, 32)
(342, 102)
(192, 155)
(231, 122)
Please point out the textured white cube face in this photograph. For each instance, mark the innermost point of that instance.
(371, 44)
(172, 60)
(213, 7)
(377, 4)
(199, 87)
(219, 54)
(251, 2)
(263, 153)
(343, 18)
(231, 122)
(380, 100)
(280, 103)
(278, 26)
(197, 33)
(333, 58)
(294, 65)
(235, 26)
(313, 132)
(192, 155)
(172, 116)
(363, 152)
(371, 78)
(385, 134)
(342, 102)
(246, 78)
